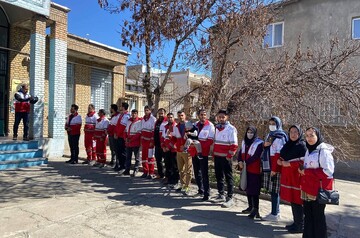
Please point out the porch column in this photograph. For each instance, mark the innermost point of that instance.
(57, 85)
(37, 75)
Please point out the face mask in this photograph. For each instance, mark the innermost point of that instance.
(272, 128)
(250, 135)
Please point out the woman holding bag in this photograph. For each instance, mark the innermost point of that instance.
(317, 173)
(291, 156)
(249, 155)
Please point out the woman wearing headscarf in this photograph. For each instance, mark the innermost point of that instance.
(317, 172)
(291, 156)
(274, 141)
(250, 153)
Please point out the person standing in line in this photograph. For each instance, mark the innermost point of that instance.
(317, 173)
(291, 156)
(249, 154)
(147, 143)
(73, 126)
(184, 161)
(119, 138)
(22, 109)
(225, 146)
(89, 130)
(274, 141)
(159, 153)
(132, 142)
(168, 144)
(201, 162)
(111, 131)
(102, 124)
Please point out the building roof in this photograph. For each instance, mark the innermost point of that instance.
(56, 5)
(99, 44)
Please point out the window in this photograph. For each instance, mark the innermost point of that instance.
(101, 89)
(356, 28)
(274, 35)
(70, 87)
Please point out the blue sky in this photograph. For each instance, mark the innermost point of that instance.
(88, 20)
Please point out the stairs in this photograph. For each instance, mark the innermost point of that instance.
(20, 154)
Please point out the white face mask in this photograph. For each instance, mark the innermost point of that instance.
(250, 135)
(272, 127)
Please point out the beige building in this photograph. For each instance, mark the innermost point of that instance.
(61, 69)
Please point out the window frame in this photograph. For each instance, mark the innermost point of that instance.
(353, 28)
(273, 35)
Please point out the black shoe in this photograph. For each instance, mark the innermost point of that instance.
(143, 175)
(254, 214)
(26, 138)
(69, 161)
(205, 198)
(116, 169)
(74, 162)
(290, 226)
(111, 163)
(85, 162)
(151, 176)
(127, 172)
(247, 210)
(295, 229)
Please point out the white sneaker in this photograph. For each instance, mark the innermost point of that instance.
(229, 203)
(219, 199)
(271, 217)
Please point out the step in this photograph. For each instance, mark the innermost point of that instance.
(29, 162)
(18, 145)
(12, 155)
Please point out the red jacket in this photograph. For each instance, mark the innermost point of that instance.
(121, 124)
(226, 141)
(90, 122)
(168, 140)
(112, 124)
(132, 133)
(180, 141)
(251, 155)
(22, 102)
(206, 136)
(290, 182)
(102, 124)
(74, 124)
(147, 129)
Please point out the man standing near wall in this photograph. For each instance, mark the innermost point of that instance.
(147, 143)
(184, 161)
(73, 126)
(225, 146)
(22, 110)
(89, 130)
(159, 154)
(111, 131)
(119, 138)
(206, 135)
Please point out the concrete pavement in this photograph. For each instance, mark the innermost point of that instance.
(63, 200)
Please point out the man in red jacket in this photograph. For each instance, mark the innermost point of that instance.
(132, 142)
(73, 126)
(206, 135)
(89, 130)
(225, 146)
(119, 138)
(22, 110)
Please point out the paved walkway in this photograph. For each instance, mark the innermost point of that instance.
(63, 200)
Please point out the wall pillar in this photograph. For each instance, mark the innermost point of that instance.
(37, 75)
(57, 86)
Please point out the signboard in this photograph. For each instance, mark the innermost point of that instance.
(39, 6)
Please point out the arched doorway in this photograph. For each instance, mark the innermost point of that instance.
(4, 69)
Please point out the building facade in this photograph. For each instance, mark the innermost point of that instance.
(60, 68)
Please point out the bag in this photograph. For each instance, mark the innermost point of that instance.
(243, 179)
(328, 196)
